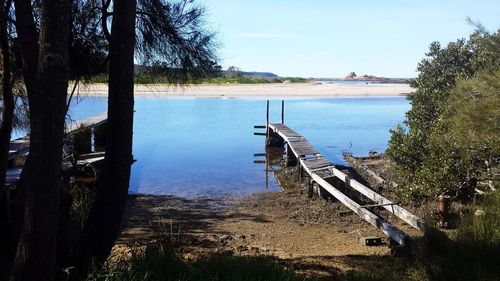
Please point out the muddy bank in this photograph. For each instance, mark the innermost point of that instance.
(317, 236)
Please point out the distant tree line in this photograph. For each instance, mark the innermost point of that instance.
(45, 44)
(450, 138)
(158, 74)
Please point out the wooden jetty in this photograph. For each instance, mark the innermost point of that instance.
(321, 172)
(88, 123)
(19, 149)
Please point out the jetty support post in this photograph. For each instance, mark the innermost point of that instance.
(92, 139)
(267, 121)
(282, 111)
(291, 160)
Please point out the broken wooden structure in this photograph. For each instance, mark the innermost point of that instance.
(324, 174)
(19, 150)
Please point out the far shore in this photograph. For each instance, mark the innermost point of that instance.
(278, 90)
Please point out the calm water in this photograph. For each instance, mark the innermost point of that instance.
(368, 83)
(196, 147)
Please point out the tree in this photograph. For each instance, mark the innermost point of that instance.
(105, 218)
(170, 34)
(40, 181)
(6, 88)
(427, 160)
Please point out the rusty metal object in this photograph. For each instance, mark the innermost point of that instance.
(444, 202)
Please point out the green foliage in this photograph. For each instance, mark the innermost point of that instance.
(149, 78)
(252, 80)
(162, 263)
(473, 116)
(452, 128)
(470, 254)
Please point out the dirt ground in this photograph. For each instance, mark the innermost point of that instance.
(317, 236)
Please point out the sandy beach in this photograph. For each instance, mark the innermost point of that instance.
(299, 90)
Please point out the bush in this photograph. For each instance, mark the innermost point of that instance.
(452, 129)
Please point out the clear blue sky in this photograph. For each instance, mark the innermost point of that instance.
(327, 38)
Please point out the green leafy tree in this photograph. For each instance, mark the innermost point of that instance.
(424, 150)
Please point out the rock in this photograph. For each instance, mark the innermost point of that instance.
(351, 75)
(373, 154)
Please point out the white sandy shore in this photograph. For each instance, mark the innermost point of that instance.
(298, 90)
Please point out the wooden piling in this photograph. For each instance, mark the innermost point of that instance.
(267, 120)
(282, 111)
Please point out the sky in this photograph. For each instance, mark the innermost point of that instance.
(329, 38)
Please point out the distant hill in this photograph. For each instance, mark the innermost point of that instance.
(142, 68)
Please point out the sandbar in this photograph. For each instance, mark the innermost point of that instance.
(274, 90)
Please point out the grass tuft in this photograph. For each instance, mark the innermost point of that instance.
(162, 263)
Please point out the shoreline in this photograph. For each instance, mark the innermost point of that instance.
(278, 90)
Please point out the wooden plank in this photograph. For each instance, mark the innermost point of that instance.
(282, 111)
(387, 204)
(326, 168)
(12, 175)
(357, 164)
(90, 122)
(284, 131)
(267, 119)
(307, 151)
(393, 232)
(18, 148)
(315, 162)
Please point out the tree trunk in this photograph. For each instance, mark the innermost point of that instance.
(27, 37)
(7, 96)
(6, 127)
(104, 221)
(41, 176)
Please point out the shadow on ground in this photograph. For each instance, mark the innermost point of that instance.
(149, 218)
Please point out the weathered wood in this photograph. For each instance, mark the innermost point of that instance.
(87, 123)
(267, 118)
(12, 176)
(393, 232)
(349, 158)
(377, 205)
(300, 147)
(387, 204)
(282, 112)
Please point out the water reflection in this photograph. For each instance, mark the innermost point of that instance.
(272, 160)
(205, 147)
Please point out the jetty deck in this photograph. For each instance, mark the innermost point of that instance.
(20, 147)
(88, 123)
(321, 172)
